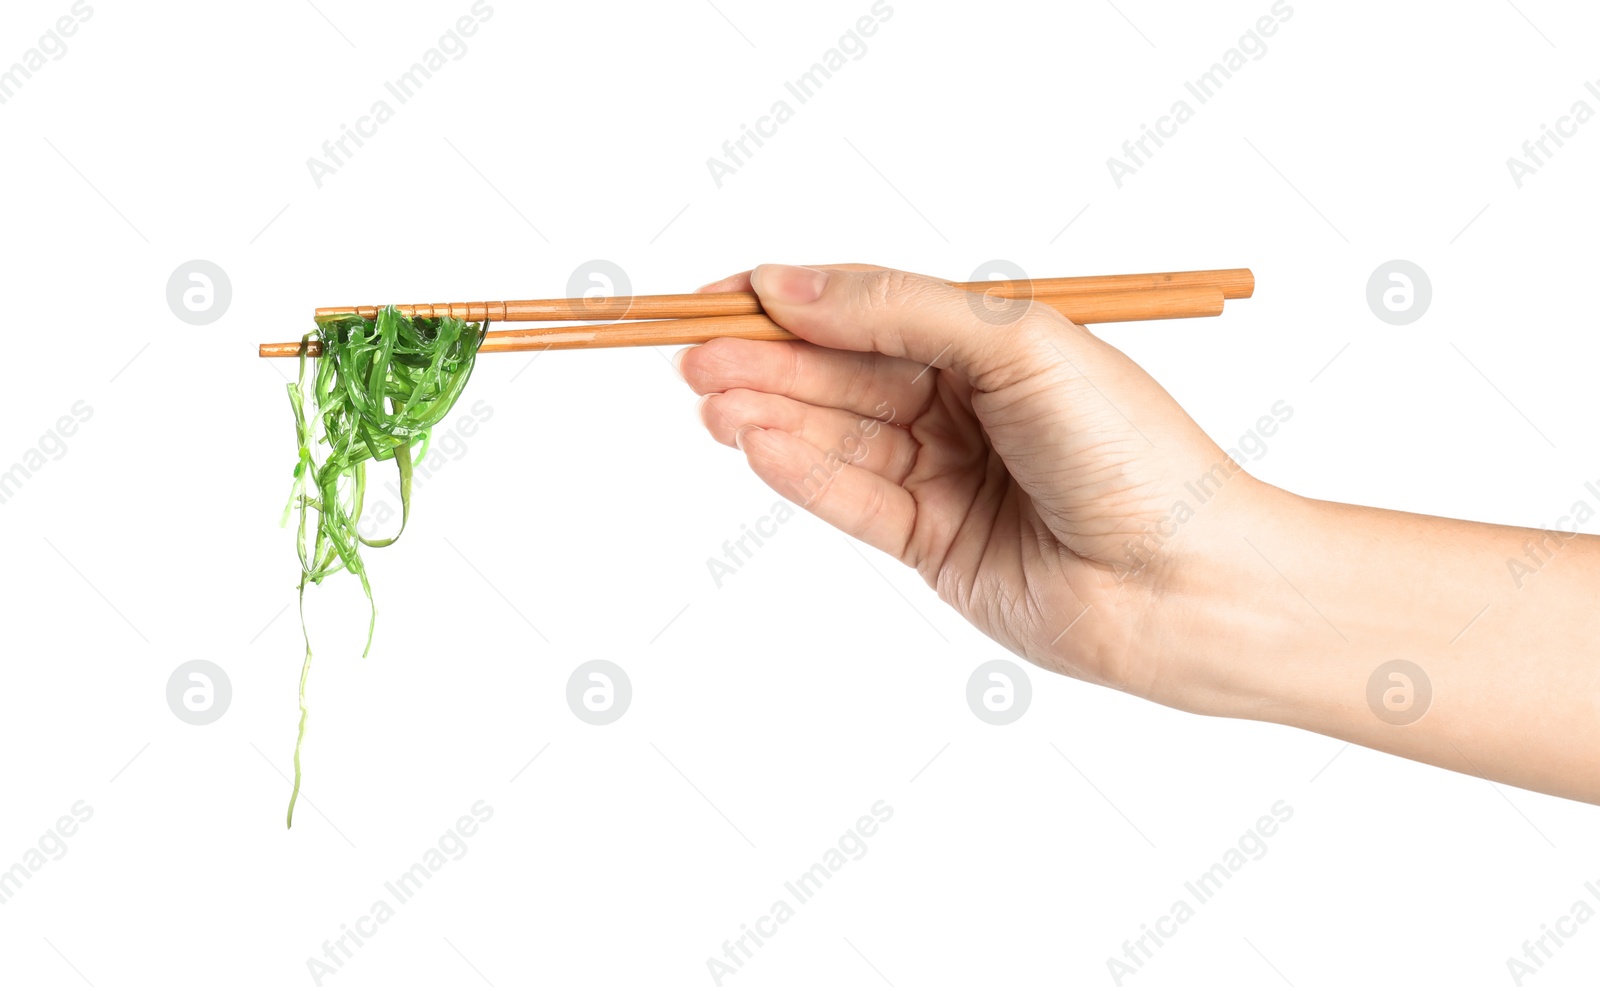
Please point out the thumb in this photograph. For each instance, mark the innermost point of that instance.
(993, 342)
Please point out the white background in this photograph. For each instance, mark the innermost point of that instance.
(770, 713)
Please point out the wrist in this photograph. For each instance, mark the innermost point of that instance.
(1231, 630)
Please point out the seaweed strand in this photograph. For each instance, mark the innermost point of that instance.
(379, 387)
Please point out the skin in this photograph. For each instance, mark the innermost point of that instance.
(1030, 471)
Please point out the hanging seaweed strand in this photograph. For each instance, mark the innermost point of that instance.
(377, 389)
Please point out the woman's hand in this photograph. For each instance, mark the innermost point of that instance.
(1057, 497)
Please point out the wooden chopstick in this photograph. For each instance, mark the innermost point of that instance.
(1173, 303)
(1234, 282)
(1162, 300)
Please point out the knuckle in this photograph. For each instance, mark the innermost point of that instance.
(857, 389)
(880, 290)
(877, 507)
(706, 360)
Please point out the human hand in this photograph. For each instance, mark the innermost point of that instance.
(1025, 468)
(1059, 498)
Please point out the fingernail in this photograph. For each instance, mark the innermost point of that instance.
(788, 285)
(677, 359)
(738, 437)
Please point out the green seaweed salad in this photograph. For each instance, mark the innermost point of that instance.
(378, 387)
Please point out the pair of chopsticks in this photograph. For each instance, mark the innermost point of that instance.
(671, 320)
